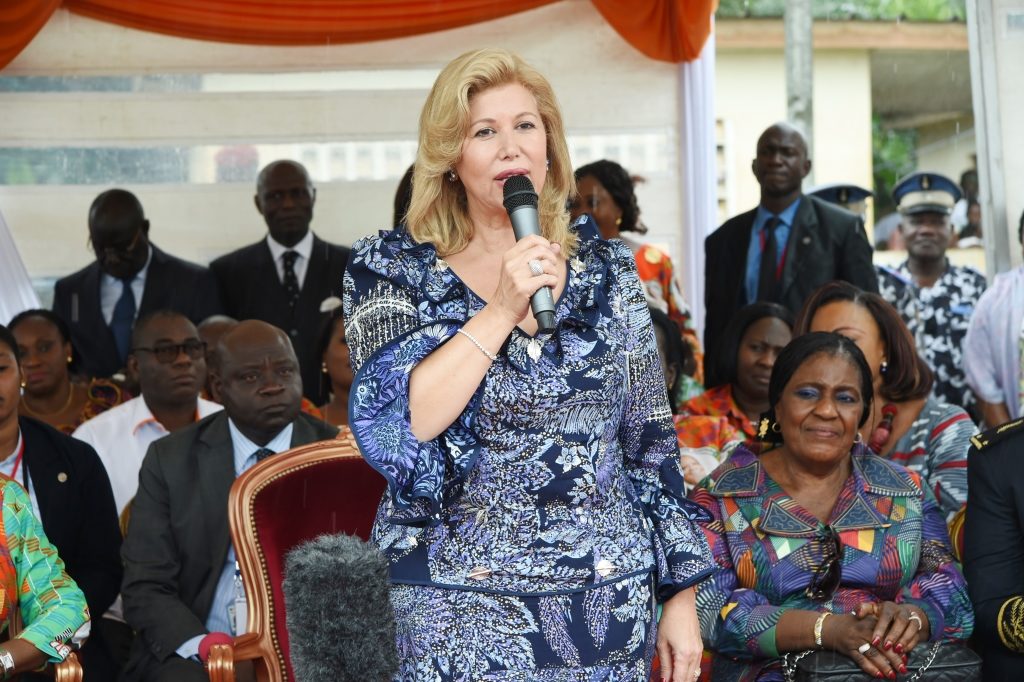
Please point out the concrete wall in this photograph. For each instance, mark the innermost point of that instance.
(615, 102)
(751, 95)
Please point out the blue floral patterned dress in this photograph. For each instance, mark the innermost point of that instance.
(532, 539)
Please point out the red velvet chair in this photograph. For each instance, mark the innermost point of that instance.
(281, 502)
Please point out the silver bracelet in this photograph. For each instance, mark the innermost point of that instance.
(492, 356)
(7, 661)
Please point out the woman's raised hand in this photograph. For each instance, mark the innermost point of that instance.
(517, 282)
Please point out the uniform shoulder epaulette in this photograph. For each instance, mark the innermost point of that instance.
(999, 433)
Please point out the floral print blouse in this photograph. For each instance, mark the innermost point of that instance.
(561, 473)
(767, 548)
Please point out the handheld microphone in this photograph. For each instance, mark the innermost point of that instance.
(340, 620)
(520, 201)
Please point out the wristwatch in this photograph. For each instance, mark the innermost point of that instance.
(7, 661)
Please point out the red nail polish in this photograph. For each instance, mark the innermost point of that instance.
(888, 645)
(899, 648)
(892, 675)
(879, 675)
(875, 641)
(903, 668)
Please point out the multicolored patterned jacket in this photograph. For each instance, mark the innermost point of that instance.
(33, 579)
(767, 548)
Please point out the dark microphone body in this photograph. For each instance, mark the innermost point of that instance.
(520, 201)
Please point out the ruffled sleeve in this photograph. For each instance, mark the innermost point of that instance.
(401, 304)
(648, 440)
(52, 606)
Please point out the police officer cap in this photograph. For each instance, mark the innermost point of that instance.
(926, 193)
(841, 193)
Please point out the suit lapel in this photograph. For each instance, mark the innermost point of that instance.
(216, 466)
(801, 238)
(738, 258)
(154, 282)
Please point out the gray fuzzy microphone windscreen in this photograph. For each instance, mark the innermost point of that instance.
(340, 620)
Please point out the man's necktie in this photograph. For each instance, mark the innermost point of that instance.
(123, 318)
(263, 453)
(767, 284)
(291, 282)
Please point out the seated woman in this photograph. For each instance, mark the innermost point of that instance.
(52, 395)
(820, 543)
(32, 575)
(605, 190)
(336, 368)
(739, 384)
(907, 423)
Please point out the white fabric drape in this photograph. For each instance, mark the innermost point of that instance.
(698, 172)
(16, 292)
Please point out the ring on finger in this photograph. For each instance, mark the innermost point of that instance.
(917, 619)
(696, 673)
(864, 648)
(535, 267)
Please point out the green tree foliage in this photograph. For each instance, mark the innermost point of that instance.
(864, 10)
(894, 154)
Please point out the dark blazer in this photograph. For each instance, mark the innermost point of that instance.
(825, 243)
(252, 290)
(76, 508)
(994, 549)
(171, 283)
(178, 535)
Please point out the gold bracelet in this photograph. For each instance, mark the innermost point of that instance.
(818, 625)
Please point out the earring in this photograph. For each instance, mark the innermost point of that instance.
(859, 439)
(549, 163)
(776, 427)
(884, 368)
(763, 426)
(323, 367)
(69, 359)
(618, 221)
(452, 177)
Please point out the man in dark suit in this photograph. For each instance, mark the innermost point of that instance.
(284, 278)
(785, 248)
(179, 562)
(994, 549)
(129, 277)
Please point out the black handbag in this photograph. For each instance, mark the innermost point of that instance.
(943, 661)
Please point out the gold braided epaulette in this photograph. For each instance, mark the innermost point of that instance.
(983, 440)
(1010, 623)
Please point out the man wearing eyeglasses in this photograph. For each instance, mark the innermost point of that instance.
(284, 278)
(129, 278)
(169, 359)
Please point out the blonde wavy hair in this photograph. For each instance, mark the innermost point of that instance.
(437, 211)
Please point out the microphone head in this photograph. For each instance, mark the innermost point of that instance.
(518, 191)
(211, 639)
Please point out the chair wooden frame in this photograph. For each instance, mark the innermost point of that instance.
(260, 644)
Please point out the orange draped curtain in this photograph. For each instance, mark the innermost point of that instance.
(666, 30)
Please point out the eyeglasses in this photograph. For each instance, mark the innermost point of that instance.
(168, 353)
(827, 576)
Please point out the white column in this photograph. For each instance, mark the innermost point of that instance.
(698, 174)
(16, 292)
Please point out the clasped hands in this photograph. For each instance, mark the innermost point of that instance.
(878, 636)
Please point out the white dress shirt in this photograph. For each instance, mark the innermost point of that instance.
(7, 468)
(122, 435)
(111, 289)
(223, 596)
(304, 248)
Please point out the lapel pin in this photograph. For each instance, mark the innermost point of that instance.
(807, 240)
(62, 477)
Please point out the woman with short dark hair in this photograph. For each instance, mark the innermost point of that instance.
(907, 423)
(819, 543)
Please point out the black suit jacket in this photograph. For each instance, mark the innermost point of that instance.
(252, 290)
(825, 243)
(993, 558)
(171, 283)
(178, 535)
(76, 508)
